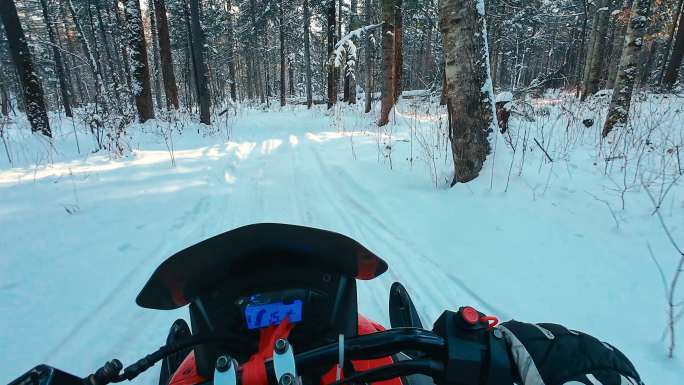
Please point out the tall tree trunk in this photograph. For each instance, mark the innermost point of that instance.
(670, 36)
(231, 51)
(201, 69)
(110, 60)
(122, 48)
(582, 49)
(281, 30)
(398, 50)
(257, 58)
(59, 64)
(469, 92)
(593, 39)
(36, 112)
(290, 77)
(191, 71)
(250, 75)
(618, 43)
(140, 69)
(345, 67)
(351, 65)
(596, 54)
(618, 111)
(90, 59)
(332, 82)
(672, 72)
(388, 61)
(155, 52)
(369, 59)
(307, 54)
(168, 75)
(71, 71)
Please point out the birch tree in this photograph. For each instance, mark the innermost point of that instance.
(388, 61)
(618, 111)
(468, 85)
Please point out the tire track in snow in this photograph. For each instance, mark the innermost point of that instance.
(404, 268)
(385, 230)
(191, 226)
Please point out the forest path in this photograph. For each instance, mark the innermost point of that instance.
(81, 236)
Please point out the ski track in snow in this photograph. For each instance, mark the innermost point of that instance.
(297, 171)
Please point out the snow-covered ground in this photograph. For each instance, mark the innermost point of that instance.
(529, 239)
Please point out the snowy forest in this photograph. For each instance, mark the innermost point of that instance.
(506, 153)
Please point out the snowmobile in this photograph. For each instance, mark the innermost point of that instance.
(276, 304)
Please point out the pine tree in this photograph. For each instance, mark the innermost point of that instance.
(140, 69)
(200, 65)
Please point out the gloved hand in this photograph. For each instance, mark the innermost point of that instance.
(550, 354)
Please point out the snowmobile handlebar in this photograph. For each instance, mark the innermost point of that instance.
(365, 347)
(462, 349)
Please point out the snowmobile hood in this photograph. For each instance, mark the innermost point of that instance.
(183, 276)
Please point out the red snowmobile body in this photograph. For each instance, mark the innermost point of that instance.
(225, 278)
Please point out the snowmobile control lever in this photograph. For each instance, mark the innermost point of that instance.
(432, 368)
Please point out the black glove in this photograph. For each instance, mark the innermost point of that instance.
(550, 354)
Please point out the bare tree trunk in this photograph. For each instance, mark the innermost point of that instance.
(398, 50)
(122, 48)
(369, 59)
(332, 82)
(618, 112)
(582, 49)
(92, 63)
(168, 75)
(307, 54)
(351, 75)
(290, 77)
(110, 60)
(201, 69)
(469, 93)
(155, 52)
(36, 112)
(590, 48)
(256, 53)
(250, 75)
(140, 69)
(672, 72)
(231, 51)
(670, 36)
(281, 30)
(59, 64)
(596, 54)
(618, 43)
(389, 60)
(71, 71)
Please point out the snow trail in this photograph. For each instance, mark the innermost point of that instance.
(67, 296)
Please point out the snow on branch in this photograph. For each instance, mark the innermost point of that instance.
(347, 46)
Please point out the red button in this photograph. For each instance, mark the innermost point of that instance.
(470, 315)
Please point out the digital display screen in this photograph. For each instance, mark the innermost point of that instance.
(264, 315)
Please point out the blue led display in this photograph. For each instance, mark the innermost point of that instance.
(261, 316)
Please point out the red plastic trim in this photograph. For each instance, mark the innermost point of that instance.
(487, 318)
